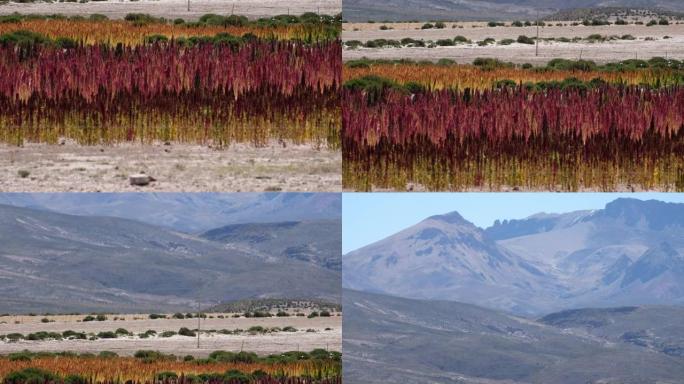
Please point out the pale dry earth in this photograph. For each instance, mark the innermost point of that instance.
(601, 52)
(177, 167)
(180, 345)
(172, 9)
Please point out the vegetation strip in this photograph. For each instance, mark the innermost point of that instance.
(472, 128)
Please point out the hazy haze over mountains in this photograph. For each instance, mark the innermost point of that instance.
(404, 10)
(630, 253)
(187, 212)
(52, 262)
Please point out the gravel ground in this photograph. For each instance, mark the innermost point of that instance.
(172, 9)
(521, 53)
(180, 345)
(183, 168)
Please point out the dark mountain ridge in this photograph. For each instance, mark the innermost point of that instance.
(395, 340)
(423, 10)
(58, 263)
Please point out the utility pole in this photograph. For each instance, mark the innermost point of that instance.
(199, 318)
(188, 5)
(536, 48)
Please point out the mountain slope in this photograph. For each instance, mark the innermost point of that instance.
(404, 10)
(187, 212)
(658, 329)
(447, 257)
(318, 242)
(55, 262)
(629, 253)
(394, 340)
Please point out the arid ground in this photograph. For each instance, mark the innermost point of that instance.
(663, 41)
(318, 332)
(186, 168)
(178, 8)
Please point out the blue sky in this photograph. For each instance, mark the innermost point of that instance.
(369, 217)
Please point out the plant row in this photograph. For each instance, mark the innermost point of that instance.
(122, 332)
(255, 92)
(135, 29)
(153, 366)
(458, 40)
(485, 73)
(605, 138)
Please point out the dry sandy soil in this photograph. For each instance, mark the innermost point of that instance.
(520, 53)
(180, 345)
(183, 168)
(178, 8)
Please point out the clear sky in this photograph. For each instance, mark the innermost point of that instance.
(369, 217)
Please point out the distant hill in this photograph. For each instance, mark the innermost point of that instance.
(270, 305)
(422, 10)
(51, 262)
(613, 13)
(629, 253)
(318, 242)
(394, 340)
(187, 212)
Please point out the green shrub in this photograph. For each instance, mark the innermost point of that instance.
(107, 354)
(29, 376)
(75, 379)
(522, 39)
(151, 356)
(461, 39)
(152, 39)
(235, 376)
(166, 375)
(186, 332)
(19, 356)
(14, 337)
(98, 17)
(23, 38)
(107, 335)
(74, 335)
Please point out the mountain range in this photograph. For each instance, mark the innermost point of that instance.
(629, 253)
(187, 212)
(423, 10)
(397, 340)
(55, 262)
